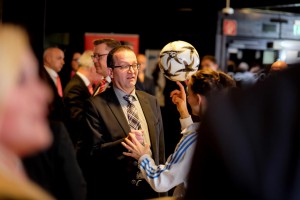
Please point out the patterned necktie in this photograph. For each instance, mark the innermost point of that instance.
(59, 87)
(132, 114)
(101, 87)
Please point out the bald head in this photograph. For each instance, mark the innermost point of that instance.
(54, 58)
(278, 65)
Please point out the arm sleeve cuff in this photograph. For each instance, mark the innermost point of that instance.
(185, 122)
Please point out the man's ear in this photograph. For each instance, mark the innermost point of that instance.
(110, 72)
(199, 99)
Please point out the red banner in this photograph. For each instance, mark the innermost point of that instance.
(128, 39)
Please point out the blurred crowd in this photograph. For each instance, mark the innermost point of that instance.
(109, 130)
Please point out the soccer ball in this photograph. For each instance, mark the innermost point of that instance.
(178, 60)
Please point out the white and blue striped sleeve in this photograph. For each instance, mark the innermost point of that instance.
(164, 177)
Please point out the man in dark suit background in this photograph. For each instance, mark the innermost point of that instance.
(249, 143)
(107, 126)
(144, 82)
(53, 60)
(56, 169)
(101, 48)
(76, 92)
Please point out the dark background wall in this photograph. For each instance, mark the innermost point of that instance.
(156, 22)
(30, 15)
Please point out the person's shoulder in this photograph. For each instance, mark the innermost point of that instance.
(104, 96)
(144, 94)
(76, 78)
(13, 189)
(74, 82)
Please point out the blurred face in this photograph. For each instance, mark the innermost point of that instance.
(55, 59)
(278, 65)
(94, 76)
(74, 62)
(143, 61)
(193, 100)
(208, 64)
(25, 127)
(100, 56)
(124, 79)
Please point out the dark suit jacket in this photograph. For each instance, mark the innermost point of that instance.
(249, 143)
(56, 169)
(108, 126)
(147, 86)
(56, 107)
(75, 95)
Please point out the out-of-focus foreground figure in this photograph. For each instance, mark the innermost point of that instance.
(24, 127)
(249, 143)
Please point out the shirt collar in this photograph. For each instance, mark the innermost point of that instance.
(84, 78)
(120, 94)
(51, 72)
(108, 79)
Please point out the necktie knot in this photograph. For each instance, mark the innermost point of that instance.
(103, 81)
(129, 98)
(101, 86)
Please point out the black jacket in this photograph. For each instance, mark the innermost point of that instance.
(56, 169)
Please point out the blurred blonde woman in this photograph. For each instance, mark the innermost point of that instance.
(24, 127)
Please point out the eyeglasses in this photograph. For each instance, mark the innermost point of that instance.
(127, 67)
(98, 56)
(75, 59)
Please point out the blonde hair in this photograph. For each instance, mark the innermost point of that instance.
(14, 42)
(86, 60)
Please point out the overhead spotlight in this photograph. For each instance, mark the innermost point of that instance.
(227, 10)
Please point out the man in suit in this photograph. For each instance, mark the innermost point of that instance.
(249, 143)
(108, 126)
(56, 169)
(101, 49)
(53, 60)
(77, 91)
(144, 82)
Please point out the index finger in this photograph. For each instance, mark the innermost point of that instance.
(180, 87)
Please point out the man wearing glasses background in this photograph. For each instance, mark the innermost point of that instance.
(108, 124)
(101, 49)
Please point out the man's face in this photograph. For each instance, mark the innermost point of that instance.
(208, 64)
(95, 77)
(125, 79)
(74, 62)
(100, 56)
(142, 59)
(56, 59)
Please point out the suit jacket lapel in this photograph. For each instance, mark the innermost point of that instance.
(149, 115)
(114, 104)
(80, 83)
